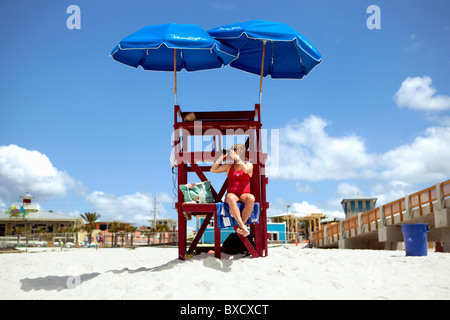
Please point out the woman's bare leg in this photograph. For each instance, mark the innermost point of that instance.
(231, 199)
(248, 200)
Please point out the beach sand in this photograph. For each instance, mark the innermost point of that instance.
(289, 272)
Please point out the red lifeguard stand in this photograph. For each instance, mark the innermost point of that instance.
(217, 124)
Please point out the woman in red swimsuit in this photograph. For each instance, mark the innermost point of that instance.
(239, 174)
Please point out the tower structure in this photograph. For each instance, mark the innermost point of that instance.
(215, 126)
(26, 203)
(357, 204)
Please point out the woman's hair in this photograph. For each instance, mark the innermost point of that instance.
(240, 150)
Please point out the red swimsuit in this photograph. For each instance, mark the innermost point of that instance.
(238, 182)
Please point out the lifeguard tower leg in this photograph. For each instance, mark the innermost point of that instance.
(182, 229)
(182, 224)
(217, 248)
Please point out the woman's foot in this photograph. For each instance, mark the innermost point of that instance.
(244, 232)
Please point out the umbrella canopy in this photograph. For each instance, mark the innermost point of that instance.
(288, 54)
(173, 47)
(269, 48)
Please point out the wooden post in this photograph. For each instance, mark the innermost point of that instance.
(262, 70)
(439, 196)
(182, 224)
(217, 248)
(175, 73)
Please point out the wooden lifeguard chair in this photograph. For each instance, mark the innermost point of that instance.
(222, 123)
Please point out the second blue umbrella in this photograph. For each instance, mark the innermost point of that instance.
(269, 48)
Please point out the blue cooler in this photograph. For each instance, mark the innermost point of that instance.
(415, 237)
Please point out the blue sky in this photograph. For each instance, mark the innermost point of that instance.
(82, 132)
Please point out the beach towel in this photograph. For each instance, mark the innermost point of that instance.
(226, 220)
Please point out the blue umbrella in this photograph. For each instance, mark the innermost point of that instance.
(173, 47)
(269, 48)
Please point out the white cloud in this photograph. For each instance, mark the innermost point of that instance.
(304, 208)
(131, 207)
(348, 190)
(22, 170)
(301, 188)
(427, 158)
(391, 190)
(307, 152)
(417, 93)
(414, 44)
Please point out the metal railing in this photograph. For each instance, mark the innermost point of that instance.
(73, 239)
(37, 240)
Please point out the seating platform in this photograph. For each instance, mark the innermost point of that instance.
(209, 210)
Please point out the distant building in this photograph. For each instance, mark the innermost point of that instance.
(298, 224)
(171, 223)
(105, 224)
(357, 204)
(29, 215)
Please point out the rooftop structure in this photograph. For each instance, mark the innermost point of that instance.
(357, 204)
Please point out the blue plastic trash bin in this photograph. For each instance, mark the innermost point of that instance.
(415, 237)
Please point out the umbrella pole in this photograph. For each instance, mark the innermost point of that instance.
(175, 72)
(262, 71)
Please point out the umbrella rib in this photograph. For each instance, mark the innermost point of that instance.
(271, 60)
(297, 46)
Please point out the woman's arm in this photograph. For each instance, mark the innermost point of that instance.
(218, 167)
(246, 167)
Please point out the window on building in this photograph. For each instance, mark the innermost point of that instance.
(273, 236)
(352, 205)
(367, 205)
(360, 206)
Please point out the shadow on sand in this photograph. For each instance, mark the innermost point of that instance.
(59, 283)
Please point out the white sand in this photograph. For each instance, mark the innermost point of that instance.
(289, 272)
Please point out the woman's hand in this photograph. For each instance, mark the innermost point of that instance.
(234, 155)
(247, 167)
